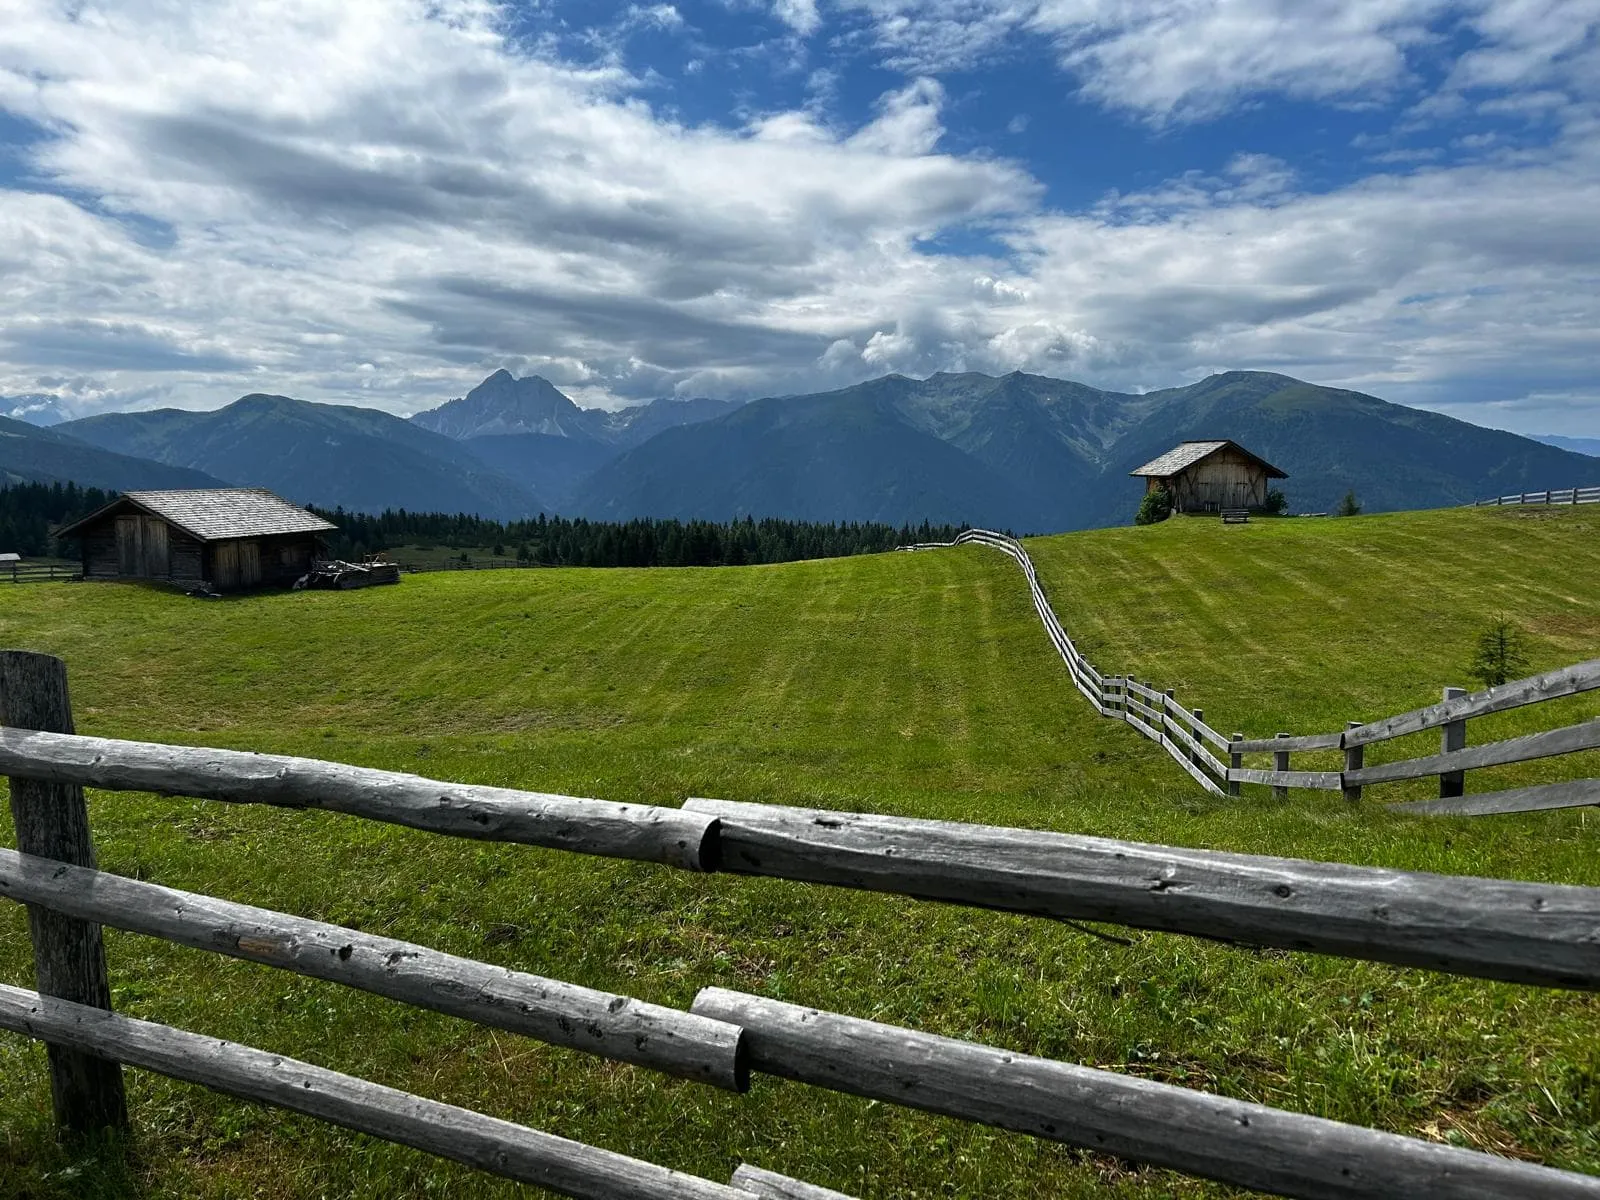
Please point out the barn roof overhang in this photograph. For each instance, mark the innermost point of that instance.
(211, 514)
(1186, 454)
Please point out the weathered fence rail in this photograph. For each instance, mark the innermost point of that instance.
(547, 1010)
(1571, 495)
(1489, 928)
(638, 831)
(1245, 1144)
(1529, 933)
(1184, 734)
(500, 1147)
(37, 572)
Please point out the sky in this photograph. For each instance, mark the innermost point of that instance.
(381, 202)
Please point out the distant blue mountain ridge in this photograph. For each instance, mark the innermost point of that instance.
(1021, 451)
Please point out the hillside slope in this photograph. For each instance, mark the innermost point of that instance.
(32, 454)
(914, 683)
(330, 455)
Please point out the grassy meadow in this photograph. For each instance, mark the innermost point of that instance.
(918, 684)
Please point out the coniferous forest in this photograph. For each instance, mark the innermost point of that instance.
(644, 542)
(30, 511)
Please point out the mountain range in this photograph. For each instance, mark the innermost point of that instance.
(29, 453)
(1022, 451)
(1038, 454)
(1590, 446)
(36, 408)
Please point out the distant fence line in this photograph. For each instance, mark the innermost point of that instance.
(1198, 748)
(1572, 495)
(1538, 934)
(37, 572)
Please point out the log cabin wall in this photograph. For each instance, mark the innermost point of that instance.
(284, 559)
(133, 546)
(1226, 479)
(99, 549)
(253, 562)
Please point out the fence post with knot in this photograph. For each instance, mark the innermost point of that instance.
(52, 821)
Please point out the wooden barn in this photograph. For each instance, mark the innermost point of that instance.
(1211, 476)
(229, 538)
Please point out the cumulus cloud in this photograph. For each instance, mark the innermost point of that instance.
(422, 198)
(799, 15)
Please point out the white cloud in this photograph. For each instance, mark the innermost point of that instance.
(421, 200)
(799, 15)
(1184, 60)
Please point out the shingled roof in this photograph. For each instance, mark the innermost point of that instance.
(215, 514)
(1186, 454)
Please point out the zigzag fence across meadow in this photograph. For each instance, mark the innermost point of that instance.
(1199, 749)
(1538, 934)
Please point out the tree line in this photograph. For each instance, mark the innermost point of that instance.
(642, 542)
(29, 512)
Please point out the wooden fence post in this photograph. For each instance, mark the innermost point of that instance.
(1453, 737)
(1166, 741)
(1354, 756)
(1199, 715)
(1235, 761)
(52, 821)
(1280, 762)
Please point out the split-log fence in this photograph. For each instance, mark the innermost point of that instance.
(1571, 495)
(38, 572)
(1217, 764)
(1539, 934)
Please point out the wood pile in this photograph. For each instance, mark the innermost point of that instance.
(335, 573)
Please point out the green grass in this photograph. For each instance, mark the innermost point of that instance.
(917, 684)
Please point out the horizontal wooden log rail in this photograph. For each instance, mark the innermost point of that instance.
(1552, 685)
(1311, 741)
(1493, 929)
(1249, 1145)
(1573, 793)
(459, 1134)
(1328, 781)
(771, 1186)
(1493, 754)
(549, 1010)
(636, 831)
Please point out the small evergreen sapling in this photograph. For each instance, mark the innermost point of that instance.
(1349, 506)
(1501, 653)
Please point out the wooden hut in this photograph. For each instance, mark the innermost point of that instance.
(227, 538)
(1211, 476)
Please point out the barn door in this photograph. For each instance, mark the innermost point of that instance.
(130, 551)
(225, 564)
(249, 563)
(155, 548)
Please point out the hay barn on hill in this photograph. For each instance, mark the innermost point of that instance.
(1210, 476)
(230, 538)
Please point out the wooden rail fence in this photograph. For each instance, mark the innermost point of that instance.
(1571, 495)
(1216, 762)
(1538, 934)
(37, 572)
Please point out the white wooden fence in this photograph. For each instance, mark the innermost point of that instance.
(1199, 749)
(1538, 934)
(1571, 495)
